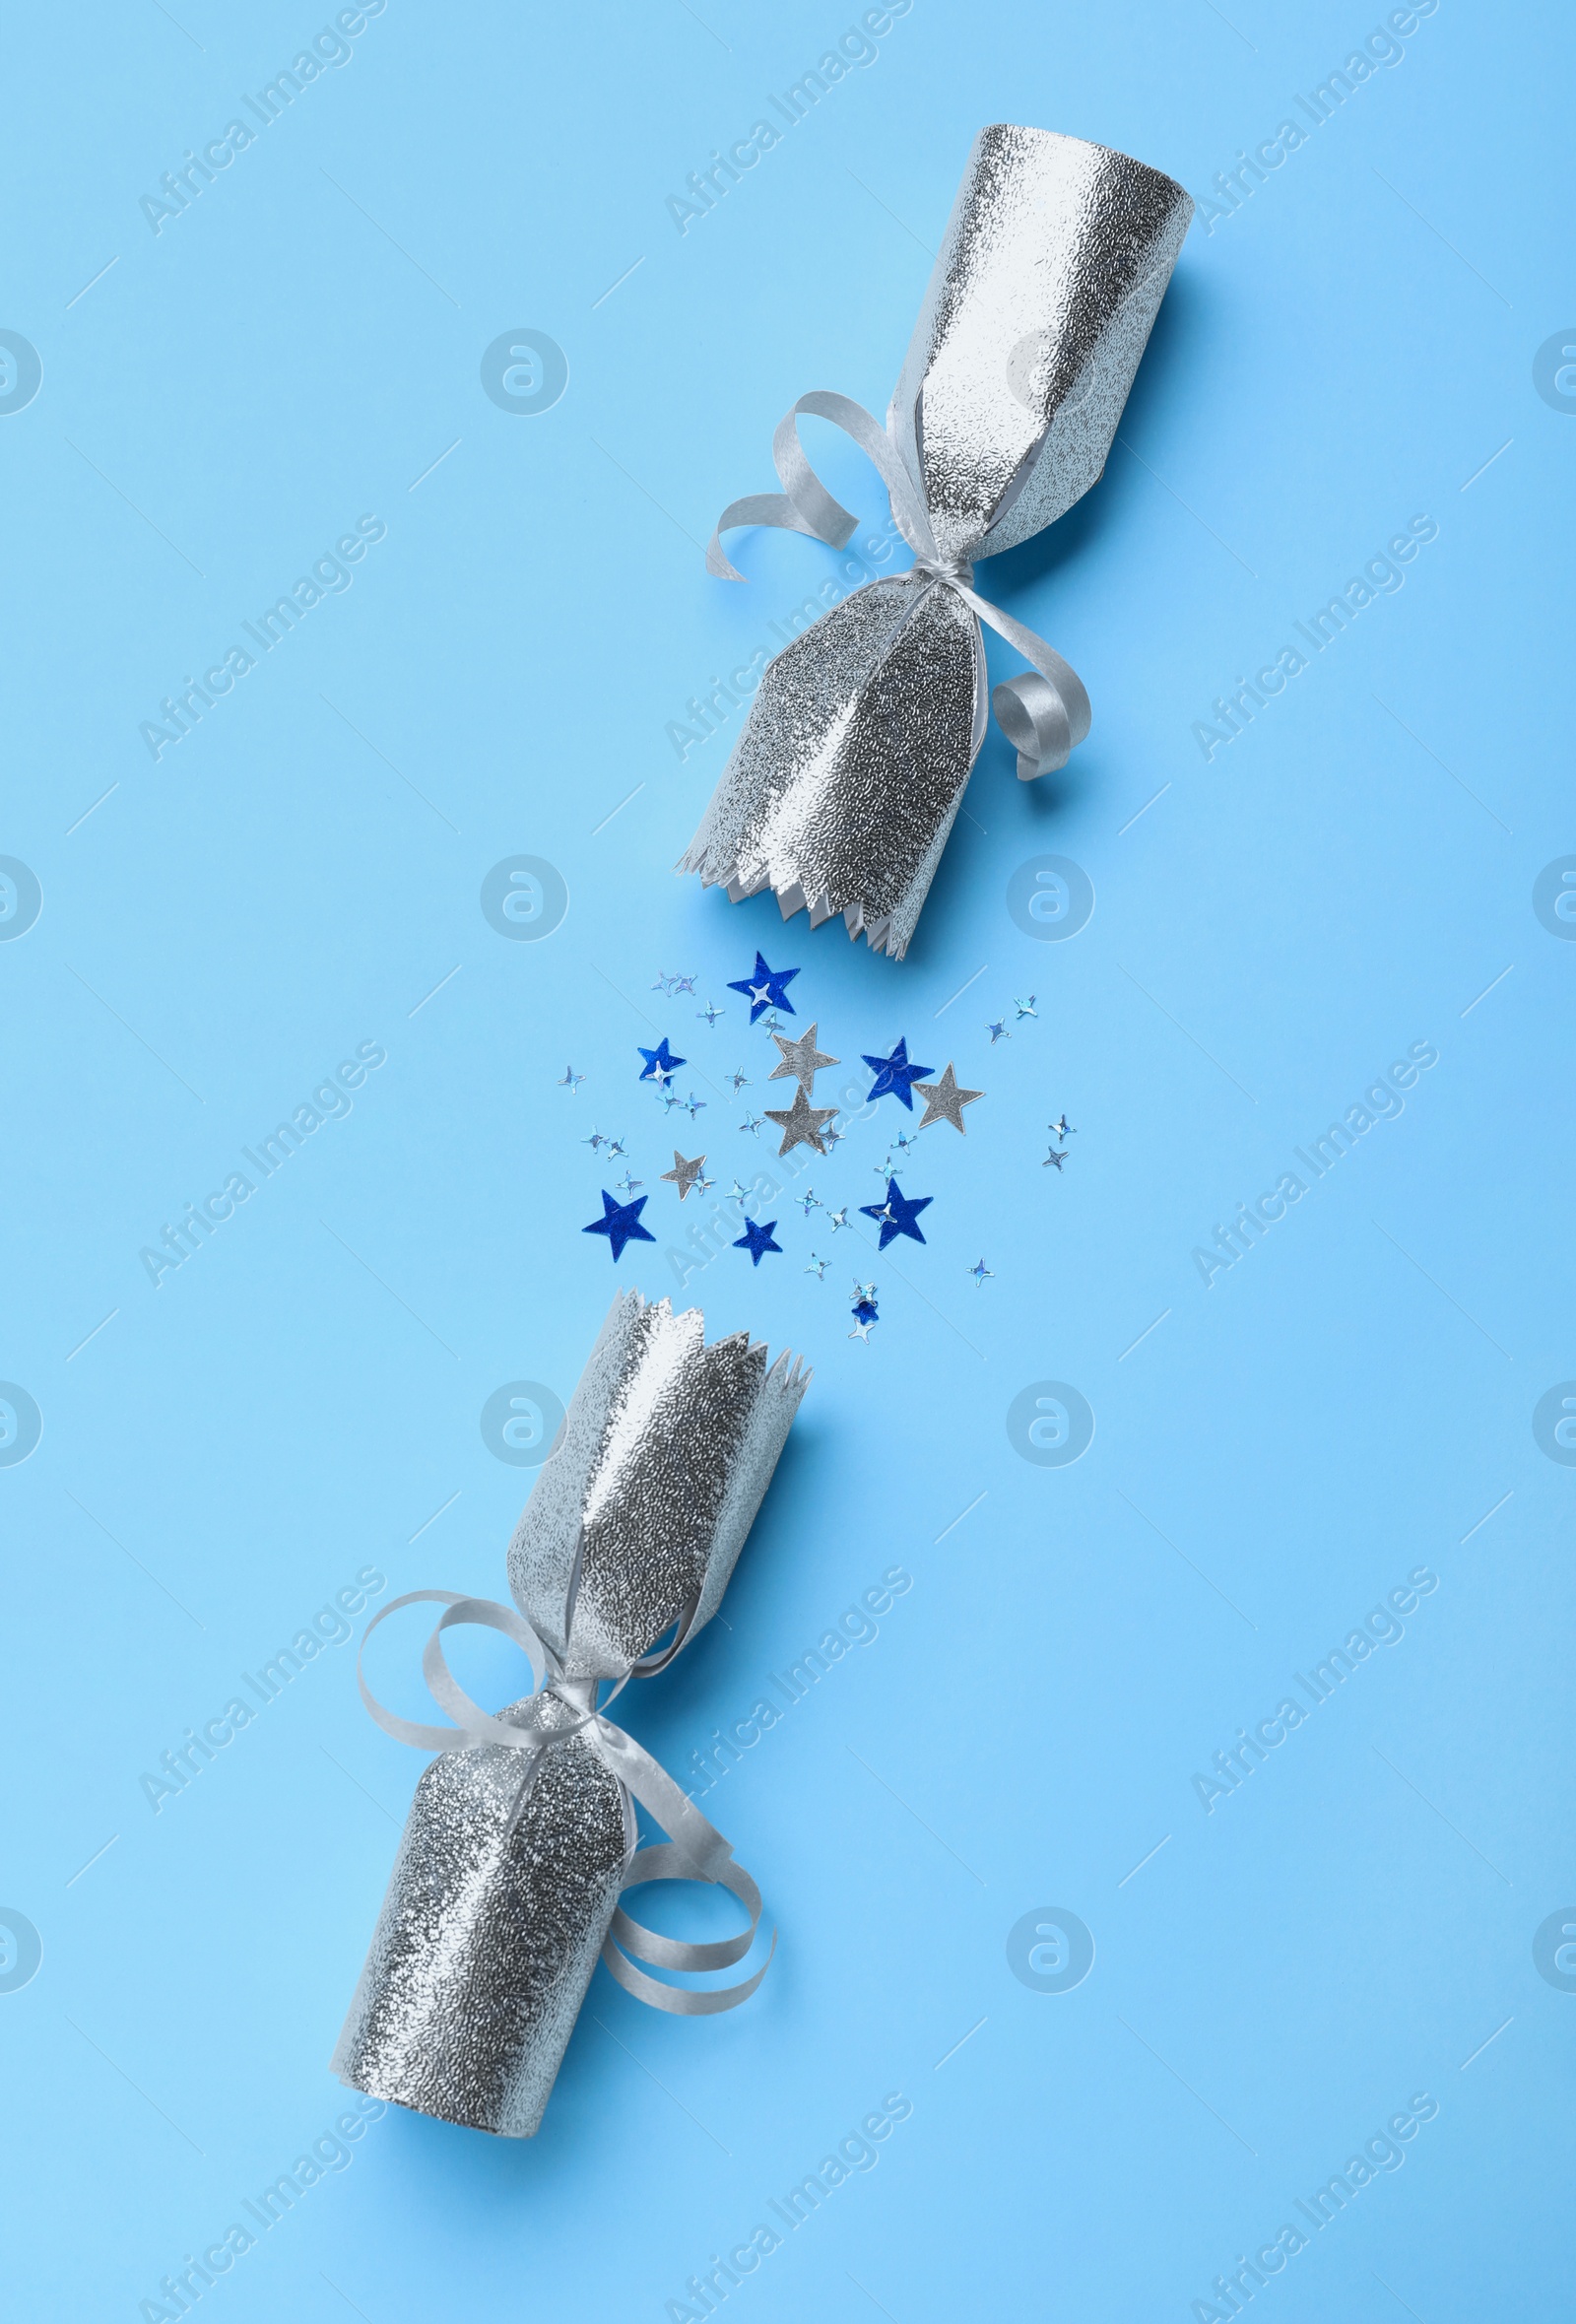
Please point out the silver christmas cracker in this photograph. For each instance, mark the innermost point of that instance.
(506, 1886)
(843, 787)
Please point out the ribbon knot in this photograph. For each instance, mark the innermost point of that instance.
(694, 1849)
(1043, 715)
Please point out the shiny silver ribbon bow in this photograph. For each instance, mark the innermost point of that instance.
(1044, 716)
(695, 1849)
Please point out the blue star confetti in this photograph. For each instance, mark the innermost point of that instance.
(621, 1224)
(864, 1312)
(895, 1076)
(766, 989)
(897, 1213)
(660, 1063)
(982, 1275)
(570, 1080)
(757, 1240)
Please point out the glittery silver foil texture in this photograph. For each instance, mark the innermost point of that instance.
(844, 785)
(507, 1881)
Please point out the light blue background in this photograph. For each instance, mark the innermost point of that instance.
(1346, 352)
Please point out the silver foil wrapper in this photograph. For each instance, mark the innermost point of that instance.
(506, 1882)
(844, 785)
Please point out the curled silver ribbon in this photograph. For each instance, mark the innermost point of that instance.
(695, 1849)
(1044, 716)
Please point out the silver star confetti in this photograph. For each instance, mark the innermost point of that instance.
(1061, 1127)
(802, 1124)
(801, 1061)
(998, 1031)
(1026, 1008)
(683, 1174)
(1055, 1158)
(945, 1100)
(816, 1268)
(982, 1275)
(570, 1080)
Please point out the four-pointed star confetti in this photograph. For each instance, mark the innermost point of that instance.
(1026, 1008)
(683, 984)
(660, 1063)
(711, 1013)
(816, 1268)
(945, 1100)
(897, 1213)
(621, 1224)
(895, 1076)
(998, 1031)
(1055, 1157)
(738, 1080)
(766, 989)
(838, 1218)
(683, 1174)
(982, 1275)
(752, 1123)
(757, 1240)
(1061, 1127)
(809, 1201)
(801, 1061)
(570, 1080)
(802, 1124)
(595, 1140)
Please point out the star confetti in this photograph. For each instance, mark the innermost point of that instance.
(1055, 1158)
(570, 1080)
(683, 1174)
(809, 1201)
(1061, 1127)
(801, 1061)
(683, 984)
(998, 1031)
(738, 1080)
(816, 1268)
(773, 1023)
(711, 1013)
(694, 1105)
(802, 1124)
(1026, 1008)
(595, 1140)
(660, 1063)
(616, 1147)
(865, 1315)
(945, 1100)
(628, 1184)
(752, 1123)
(897, 1213)
(838, 1218)
(621, 1224)
(982, 1275)
(766, 989)
(757, 1240)
(863, 1291)
(895, 1076)
(664, 981)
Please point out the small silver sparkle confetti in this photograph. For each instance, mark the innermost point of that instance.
(738, 1080)
(809, 1201)
(838, 1219)
(1061, 1127)
(816, 1268)
(1055, 1158)
(595, 1140)
(998, 1031)
(570, 1080)
(752, 1123)
(711, 1013)
(683, 1174)
(616, 1147)
(683, 984)
(1026, 1008)
(982, 1275)
(626, 1184)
